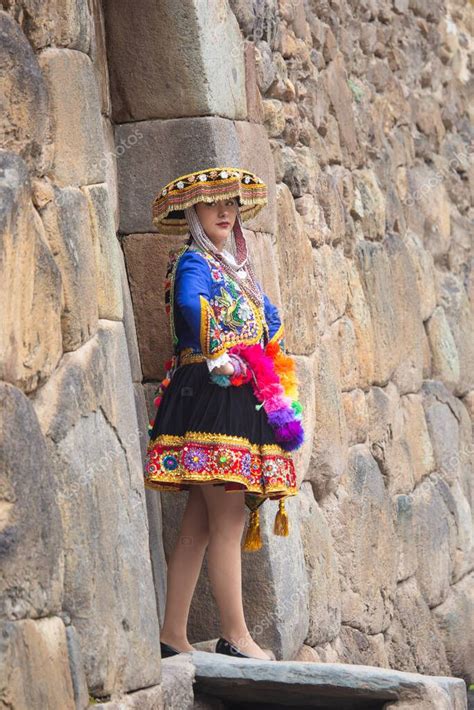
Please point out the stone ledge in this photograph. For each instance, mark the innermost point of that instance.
(318, 685)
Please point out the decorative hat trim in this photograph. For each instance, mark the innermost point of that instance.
(207, 186)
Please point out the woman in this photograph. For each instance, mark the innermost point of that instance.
(227, 413)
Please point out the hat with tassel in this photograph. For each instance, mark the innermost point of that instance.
(207, 185)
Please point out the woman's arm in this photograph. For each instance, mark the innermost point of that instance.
(192, 293)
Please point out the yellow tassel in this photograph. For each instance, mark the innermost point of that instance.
(253, 541)
(281, 525)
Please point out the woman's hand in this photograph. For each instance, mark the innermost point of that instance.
(226, 369)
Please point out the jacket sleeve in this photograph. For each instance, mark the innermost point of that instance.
(192, 293)
(274, 322)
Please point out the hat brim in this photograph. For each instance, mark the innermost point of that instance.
(207, 186)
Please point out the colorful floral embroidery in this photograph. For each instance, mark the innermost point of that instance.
(173, 462)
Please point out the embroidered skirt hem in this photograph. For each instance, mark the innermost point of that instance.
(204, 434)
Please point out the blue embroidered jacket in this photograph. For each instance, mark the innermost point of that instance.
(211, 312)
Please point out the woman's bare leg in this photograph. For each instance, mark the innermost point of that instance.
(226, 515)
(184, 566)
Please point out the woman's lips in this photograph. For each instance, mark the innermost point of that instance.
(223, 224)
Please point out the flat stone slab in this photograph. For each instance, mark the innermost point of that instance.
(314, 685)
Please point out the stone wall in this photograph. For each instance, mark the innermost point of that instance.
(356, 114)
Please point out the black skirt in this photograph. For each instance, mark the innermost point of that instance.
(207, 434)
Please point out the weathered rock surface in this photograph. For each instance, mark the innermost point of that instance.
(189, 61)
(87, 412)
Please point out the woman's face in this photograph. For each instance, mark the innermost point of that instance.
(217, 219)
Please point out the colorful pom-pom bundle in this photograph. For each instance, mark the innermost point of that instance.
(273, 377)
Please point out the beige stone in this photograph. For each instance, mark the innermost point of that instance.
(297, 287)
(335, 80)
(415, 433)
(31, 294)
(329, 456)
(444, 354)
(453, 298)
(264, 259)
(434, 538)
(25, 125)
(273, 117)
(32, 566)
(254, 101)
(361, 526)
(255, 155)
(146, 257)
(323, 576)
(356, 416)
(76, 119)
(34, 664)
(49, 23)
(87, 408)
(419, 652)
(369, 205)
(424, 269)
(408, 373)
(106, 247)
(428, 212)
(359, 313)
(330, 272)
(67, 225)
(175, 60)
(380, 294)
(454, 618)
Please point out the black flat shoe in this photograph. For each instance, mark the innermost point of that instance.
(228, 649)
(167, 650)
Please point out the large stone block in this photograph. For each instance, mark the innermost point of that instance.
(177, 147)
(67, 224)
(454, 618)
(329, 454)
(360, 519)
(452, 296)
(360, 337)
(330, 273)
(322, 570)
(76, 119)
(263, 254)
(32, 562)
(87, 408)
(255, 155)
(146, 256)
(435, 540)
(106, 248)
(424, 269)
(408, 373)
(34, 667)
(444, 354)
(337, 88)
(420, 652)
(297, 285)
(25, 105)
(368, 208)
(31, 293)
(379, 288)
(428, 210)
(49, 23)
(174, 59)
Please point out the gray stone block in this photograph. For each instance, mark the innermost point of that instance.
(174, 59)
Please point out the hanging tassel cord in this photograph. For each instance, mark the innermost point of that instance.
(281, 525)
(253, 540)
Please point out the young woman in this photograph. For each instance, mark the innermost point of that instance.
(227, 411)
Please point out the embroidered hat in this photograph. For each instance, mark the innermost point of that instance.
(207, 186)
